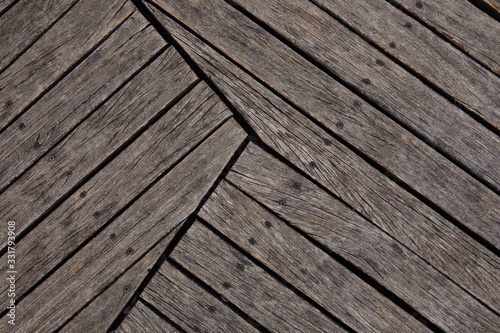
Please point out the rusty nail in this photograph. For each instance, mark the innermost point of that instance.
(282, 203)
(357, 103)
(297, 186)
(22, 126)
(211, 309)
(51, 158)
(83, 194)
(408, 25)
(252, 241)
(379, 62)
(268, 224)
(226, 285)
(69, 173)
(130, 250)
(392, 45)
(328, 142)
(96, 214)
(241, 267)
(340, 125)
(312, 164)
(126, 289)
(419, 5)
(112, 236)
(36, 145)
(367, 81)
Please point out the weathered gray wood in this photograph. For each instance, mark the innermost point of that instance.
(156, 150)
(84, 26)
(24, 23)
(143, 320)
(76, 96)
(340, 229)
(463, 24)
(252, 290)
(495, 4)
(166, 204)
(344, 173)
(100, 314)
(5, 3)
(459, 76)
(367, 129)
(397, 91)
(188, 305)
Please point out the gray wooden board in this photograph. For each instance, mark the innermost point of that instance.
(393, 88)
(466, 81)
(24, 23)
(344, 173)
(99, 315)
(156, 150)
(5, 3)
(368, 130)
(94, 140)
(463, 24)
(495, 4)
(189, 305)
(252, 290)
(124, 241)
(76, 96)
(144, 320)
(336, 226)
(85, 25)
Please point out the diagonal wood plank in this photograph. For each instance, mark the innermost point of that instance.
(5, 3)
(373, 195)
(465, 81)
(143, 320)
(189, 306)
(100, 314)
(495, 4)
(336, 226)
(107, 256)
(109, 191)
(24, 23)
(393, 88)
(82, 28)
(331, 104)
(76, 96)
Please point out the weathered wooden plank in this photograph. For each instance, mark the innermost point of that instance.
(393, 88)
(459, 76)
(190, 306)
(84, 26)
(24, 23)
(142, 319)
(299, 262)
(99, 199)
(495, 4)
(463, 24)
(166, 204)
(336, 226)
(100, 314)
(5, 3)
(400, 214)
(76, 96)
(250, 288)
(330, 103)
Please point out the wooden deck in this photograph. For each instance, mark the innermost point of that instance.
(250, 166)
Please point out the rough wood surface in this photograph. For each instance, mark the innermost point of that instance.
(441, 123)
(189, 306)
(495, 4)
(84, 26)
(5, 3)
(156, 150)
(26, 22)
(76, 96)
(300, 262)
(255, 292)
(340, 229)
(98, 316)
(344, 173)
(364, 127)
(129, 237)
(463, 24)
(144, 320)
(459, 76)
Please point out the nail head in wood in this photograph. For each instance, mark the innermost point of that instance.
(126, 289)
(51, 158)
(252, 241)
(340, 125)
(96, 214)
(130, 250)
(357, 103)
(268, 224)
(211, 309)
(241, 267)
(379, 62)
(36, 145)
(112, 236)
(367, 81)
(408, 25)
(419, 5)
(226, 285)
(282, 203)
(196, 329)
(22, 126)
(312, 164)
(328, 142)
(392, 45)
(297, 186)
(83, 194)
(69, 173)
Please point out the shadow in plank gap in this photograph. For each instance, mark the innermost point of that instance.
(302, 142)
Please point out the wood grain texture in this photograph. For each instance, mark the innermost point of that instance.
(98, 316)
(76, 96)
(24, 23)
(188, 305)
(100, 262)
(495, 4)
(463, 24)
(467, 82)
(5, 3)
(105, 131)
(373, 195)
(340, 229)
(154, 152)
(300, 262)
(84, 26)
(364, 127)
(143, 320)
(401, 94)
(254, 291)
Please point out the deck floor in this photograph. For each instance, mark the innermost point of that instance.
(250, 166)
